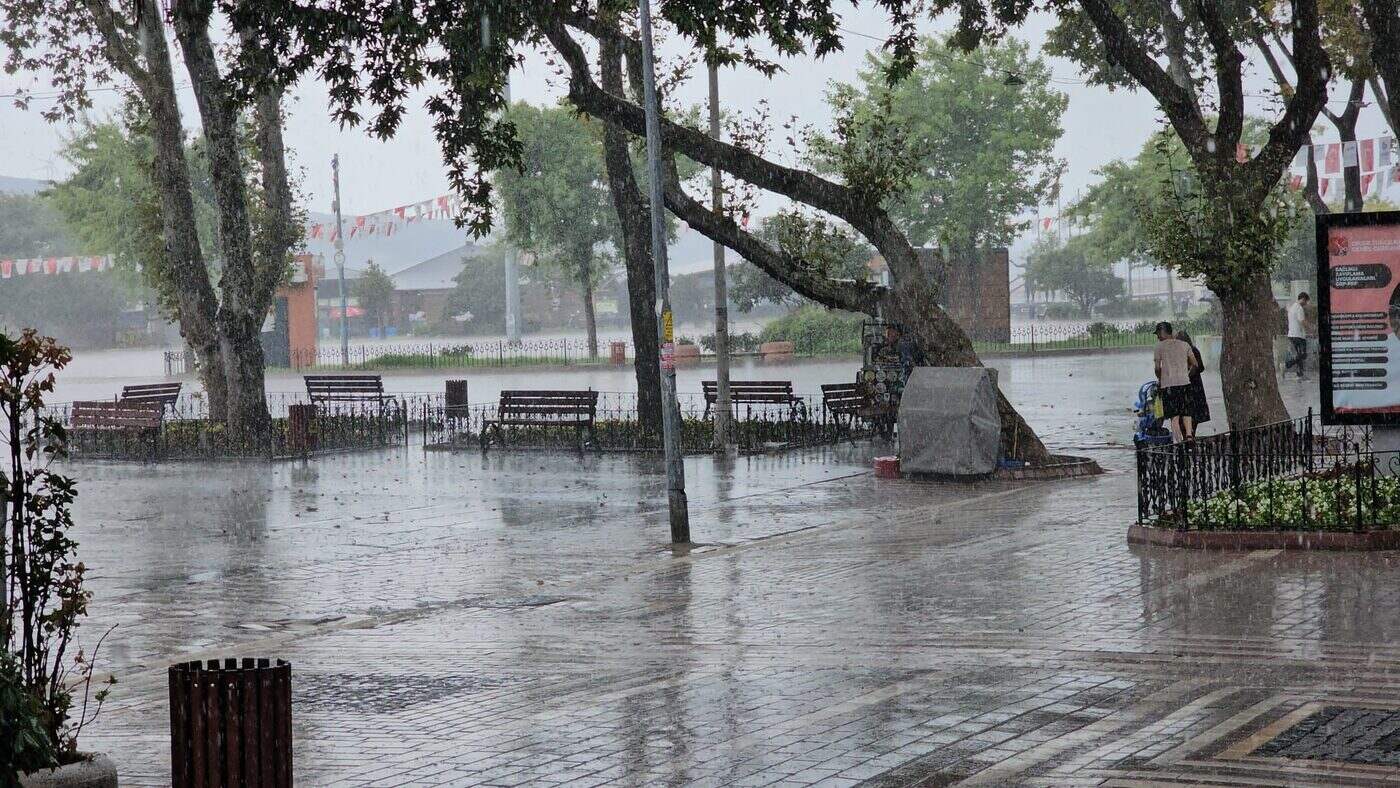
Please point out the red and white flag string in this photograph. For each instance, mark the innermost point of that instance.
(43, 266)
(389, 222)
(1376, 160)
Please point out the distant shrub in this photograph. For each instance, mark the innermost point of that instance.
(814, 329)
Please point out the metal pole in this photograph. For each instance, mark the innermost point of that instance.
(670, 411)
(723, 406)
(512, 272)
(340, 265)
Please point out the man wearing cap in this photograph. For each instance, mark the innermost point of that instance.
(1173, 362)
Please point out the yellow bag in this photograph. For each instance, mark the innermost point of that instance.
(1158, 411)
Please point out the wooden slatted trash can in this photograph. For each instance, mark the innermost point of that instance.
(231, 724)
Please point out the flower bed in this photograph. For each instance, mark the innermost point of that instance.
(1347, 498)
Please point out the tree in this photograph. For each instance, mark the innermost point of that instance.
(86, 42)
(1381, 19)
(556, 204)
(442, 39)
(476, 304)
(1225, 226)
(1074, 267)
(375, 292)
(980, 130)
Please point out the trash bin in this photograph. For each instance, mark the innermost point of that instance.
(456, 400)
(617, 353)
(301, 434)
(231, 724)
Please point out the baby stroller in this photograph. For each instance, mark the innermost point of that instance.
(1151, 429)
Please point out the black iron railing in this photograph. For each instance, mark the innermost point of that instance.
(616, 427)
(298, 428)
(1291, 475)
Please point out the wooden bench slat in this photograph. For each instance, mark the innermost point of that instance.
(117, 415)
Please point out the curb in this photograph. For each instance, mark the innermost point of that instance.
(1264, 540)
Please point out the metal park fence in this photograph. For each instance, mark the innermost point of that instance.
(1024, 338)
(1291, 475)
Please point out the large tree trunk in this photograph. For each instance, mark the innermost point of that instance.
(244, 304)
(196, 307)
(633, 215)
(1345, 122)
(590, 318)
(1250, 320)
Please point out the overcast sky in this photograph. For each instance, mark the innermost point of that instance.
(1099, 125)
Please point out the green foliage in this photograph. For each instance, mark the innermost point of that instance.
(1075, 268)
(743, 342)
(479, 296)
(815, 329)
(1155, 208)
(827, 249)
(556, 204)
(375, 292)
(44, 598)
(24, 746)
(110, 205)
(959, 152)
(1135, 307)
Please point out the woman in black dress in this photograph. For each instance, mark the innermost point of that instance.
(1200, 409)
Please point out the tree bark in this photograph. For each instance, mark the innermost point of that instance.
(1345, 121)
(196, 307)
(590, 318)
(244, 304)
(1250, 319)
(633, 216)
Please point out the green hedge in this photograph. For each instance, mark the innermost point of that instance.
(814, 329)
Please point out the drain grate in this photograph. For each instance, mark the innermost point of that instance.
(381, 693)
(1341, 733)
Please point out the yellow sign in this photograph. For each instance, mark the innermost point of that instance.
(667, 327)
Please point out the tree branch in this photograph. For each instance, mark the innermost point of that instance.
(1312, 69)
(1123, 49)
(117, 41)
(1229, 78)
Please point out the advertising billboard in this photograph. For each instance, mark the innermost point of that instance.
(1358, 257)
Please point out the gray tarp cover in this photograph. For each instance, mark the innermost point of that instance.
(948, 421)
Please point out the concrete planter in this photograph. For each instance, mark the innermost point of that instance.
(1264, 540)
(777, 351)
(687, 354)
(97, 772)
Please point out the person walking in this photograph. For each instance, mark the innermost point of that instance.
(1200, 407)
(1298, 336)
(1172, 360)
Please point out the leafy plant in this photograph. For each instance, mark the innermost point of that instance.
(44, 598)
(1340, 500)
(24, 746)
(743, 342)
(814, 329)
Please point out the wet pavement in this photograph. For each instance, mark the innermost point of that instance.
(518, 619)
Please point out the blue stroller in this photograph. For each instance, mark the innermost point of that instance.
(1151, 429)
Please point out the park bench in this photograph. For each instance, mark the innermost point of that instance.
(576, 409)
(846, 403)
(110, 421)
(321, 389)
(757, 392)
(166, 394)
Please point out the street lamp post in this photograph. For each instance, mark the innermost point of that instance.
(340, 265)
(723, 407)
(670, 411)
